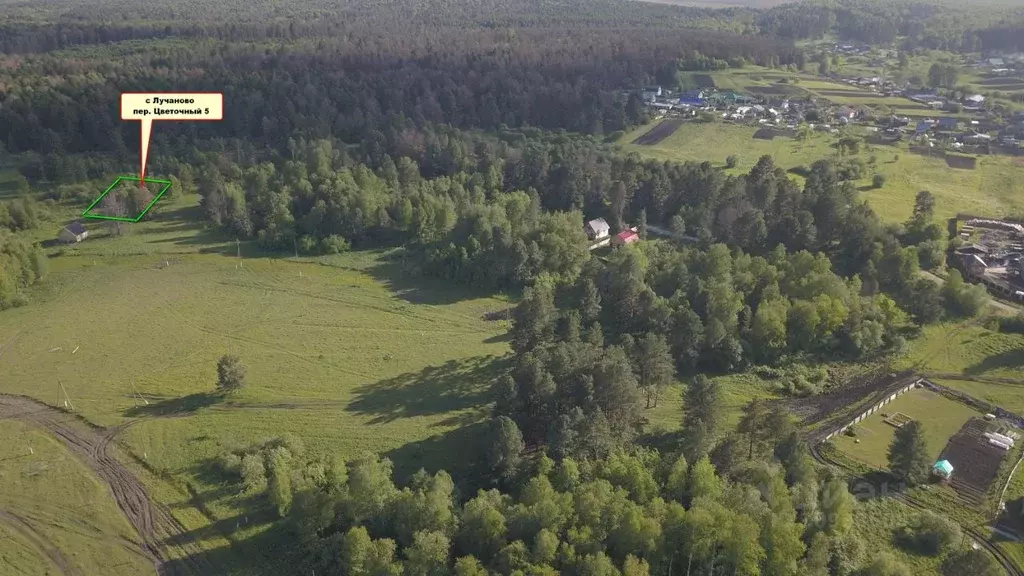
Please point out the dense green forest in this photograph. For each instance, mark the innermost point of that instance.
(477, 138)
(911, 24)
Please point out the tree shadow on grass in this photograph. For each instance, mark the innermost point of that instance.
(453, 386)
(460, 452)
(175, 406)
(270, 551)
(876, 484)
(402, 272)
(1010, 359)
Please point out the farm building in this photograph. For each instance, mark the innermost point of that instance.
(597, 229)
(73, 233)
(650, 93)
(968, 249)
(943, 469)
(847, 113)
(625, 237)
(975, 265)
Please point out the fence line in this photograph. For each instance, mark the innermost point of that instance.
(875, 408)
(948, 392)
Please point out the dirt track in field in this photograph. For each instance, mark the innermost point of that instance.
(39, 541)
(153, 523)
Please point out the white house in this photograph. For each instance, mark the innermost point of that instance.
(597, 229)
(73, 233)
(975, 100)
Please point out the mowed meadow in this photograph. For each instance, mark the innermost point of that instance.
(349, 353)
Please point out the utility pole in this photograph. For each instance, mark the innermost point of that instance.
(67, 399)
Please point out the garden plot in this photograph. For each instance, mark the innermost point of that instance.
(940, 417)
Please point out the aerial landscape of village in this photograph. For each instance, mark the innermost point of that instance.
(512, 288)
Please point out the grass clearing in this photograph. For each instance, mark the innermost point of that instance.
(940, 416)
(877, 520)
(973, 359)
(993, 187)
(737, 391)
(61, 504)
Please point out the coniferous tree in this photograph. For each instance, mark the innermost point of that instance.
(908, 454)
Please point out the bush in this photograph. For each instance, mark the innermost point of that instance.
(308, 244)
(929, 533)
(732, 161)
(335, 244)
(1012, 324)
(878, 181)
(230, 373)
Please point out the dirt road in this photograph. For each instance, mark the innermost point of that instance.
(39, 541)
(154, 523)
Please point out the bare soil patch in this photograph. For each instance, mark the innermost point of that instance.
(659, 132)
(849, 93)
(777, 90)
(952, 160)
(772, 133)
(1000, 81)
(881, 140)
(835, 407)
(975, 461)
(961, 162)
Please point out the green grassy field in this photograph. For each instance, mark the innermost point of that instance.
(877, 522)
(970, 358)
(58, 503)
(940, 416)
(994, 187)
(348, 352)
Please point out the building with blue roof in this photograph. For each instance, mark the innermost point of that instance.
(943, 469)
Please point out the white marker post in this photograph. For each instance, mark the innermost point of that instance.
(148, 106)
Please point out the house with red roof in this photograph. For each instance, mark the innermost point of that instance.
(625, 237)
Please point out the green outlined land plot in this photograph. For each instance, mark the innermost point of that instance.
(125, 201)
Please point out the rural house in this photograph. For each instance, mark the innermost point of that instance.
(651, 93)
(73, 233)
(625, 237)
(597, 229)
